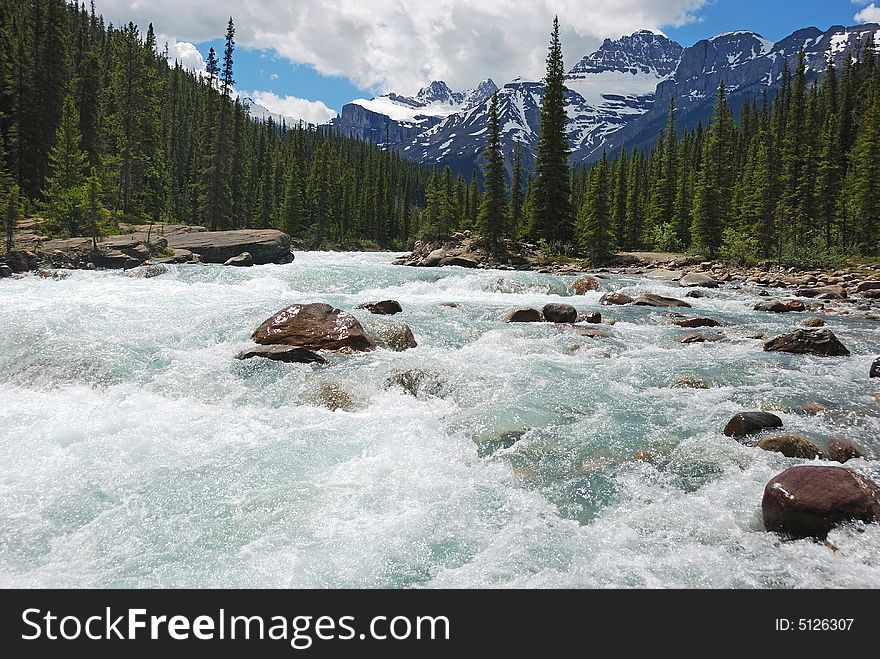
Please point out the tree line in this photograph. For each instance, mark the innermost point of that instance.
(794, 178)
(97, 128)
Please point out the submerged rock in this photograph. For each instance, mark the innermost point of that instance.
(585, 284)
(813, 322)
(316, 327)
(751, 423)
(773, 306)
(383, 308)
(701, 338)
(651, 300)
(593, 318)
(808, 342)
(146, 271)
(333, 396)
(690, 382)
(809, 501)
(395, 336)
(286, 354)
(559, 313)
(697, 279)
(792, 446)
(522, 315)
(416, 382)
(695, 294)
(615, 299)
(489, 444)
(842, 451)
(243, 260)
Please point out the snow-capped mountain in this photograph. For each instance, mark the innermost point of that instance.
(394, 119)
(617, 96)
(747, 63)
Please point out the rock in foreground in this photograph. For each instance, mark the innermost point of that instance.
(809, 501)
(264, 245)
(316, 327)
(395, 336)
(286, 354)
(808, 342)
(750, 423)
(842, 451)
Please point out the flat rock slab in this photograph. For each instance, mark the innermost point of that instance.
(286, 354)
(663, 274)
(651, 300)
(697, 279)
(264, 245)
(693, 323)
(808, 501)
(615, 299)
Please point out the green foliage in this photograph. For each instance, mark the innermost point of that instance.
(493, 210)
(665, 238)
(810, 254)
(740, 249)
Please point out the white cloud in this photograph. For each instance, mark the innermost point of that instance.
(186, 53)
(313, 112)
(870, 14)
(273, 76)
(402, 44)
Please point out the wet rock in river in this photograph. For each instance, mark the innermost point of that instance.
(808, 342)
(333, 396)
(585, 284)
(813, 322)
(383, 308)
(697, 279)
(842, 451)
(792, 446)
(395, 336)
(809, 501)
(690, 382)
(522, 315)
(286, 354)
(559, 313)
(651, 300)
(875, 369)
(593, 318)
(316, 327)
(773, 306)
(751, 423)
(693, 323)
(612, 299)
(243, 260)
(416, 382)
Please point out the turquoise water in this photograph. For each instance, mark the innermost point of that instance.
(137, 452)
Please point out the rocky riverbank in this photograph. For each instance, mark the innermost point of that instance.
(144, 245)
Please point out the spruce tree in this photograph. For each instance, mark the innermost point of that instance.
(67, 162)
(595, 216)
(493, 211)
(11, 216)
(550, 204)
(516, 193)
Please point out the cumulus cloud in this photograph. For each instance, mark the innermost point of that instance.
(186, 54)
(870, 14)
(313, 112)
(402, 44)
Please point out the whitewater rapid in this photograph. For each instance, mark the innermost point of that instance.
(137, 452)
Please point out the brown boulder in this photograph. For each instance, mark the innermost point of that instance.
(796, 305)
(809, 501)
(585, 284)
(808, 342)
(773, 306)
(593, 318)
(264, 245)
(813, 323)
(460, 261)
(286, 354)
(842, 451)
(522, 315)
(383, 308)
(690, 382)
(751, 423)
(615, 299)
(559, 313)
(792, 446)
(316, 327)
(697, 279)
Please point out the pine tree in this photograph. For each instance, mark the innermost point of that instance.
(493, 211)
(550, 204)
(862, 187)
(516, 193)
(11, 216)
(595, 217)
(66, 171)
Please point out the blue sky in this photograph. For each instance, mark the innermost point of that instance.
(308, 58)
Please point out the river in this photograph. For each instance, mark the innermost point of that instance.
(137, 452)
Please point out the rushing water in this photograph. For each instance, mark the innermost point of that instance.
(137, 452)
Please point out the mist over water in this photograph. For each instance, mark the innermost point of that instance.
(137, 452)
